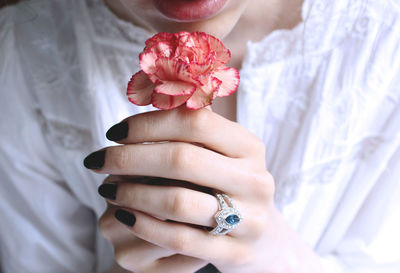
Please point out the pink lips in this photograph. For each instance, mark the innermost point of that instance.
(189, 10)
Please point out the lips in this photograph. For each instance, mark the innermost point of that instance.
(189, 10)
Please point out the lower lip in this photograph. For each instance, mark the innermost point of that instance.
(189, 10)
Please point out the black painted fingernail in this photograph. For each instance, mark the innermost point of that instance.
(125, 217)
(108, 190)
(118, 132)
(95, 160)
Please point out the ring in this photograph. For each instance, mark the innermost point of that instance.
(228, 217)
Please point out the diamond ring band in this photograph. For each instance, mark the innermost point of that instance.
(228, 217)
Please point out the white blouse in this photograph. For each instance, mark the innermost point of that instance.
(324, 97)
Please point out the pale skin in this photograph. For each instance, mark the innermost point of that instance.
(209, 150)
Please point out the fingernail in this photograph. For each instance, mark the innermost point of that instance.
(108, 190)
(118, 132)
(95, 160)
(125, 217)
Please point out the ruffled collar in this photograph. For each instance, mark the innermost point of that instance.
(324, 25)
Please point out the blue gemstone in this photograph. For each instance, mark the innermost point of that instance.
(232, 219)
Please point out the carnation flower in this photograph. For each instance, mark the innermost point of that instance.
(182, 68)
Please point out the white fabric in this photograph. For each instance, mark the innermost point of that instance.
(324, 97)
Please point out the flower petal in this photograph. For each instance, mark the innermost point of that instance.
(202, 47)
(166, 102)
(147, 62)
(230, 79)
(175, 88)
(223, 54)
(200, 70)
(166, 69)
(160, 37)
(185, 39)
(147, 59)
(162, 49)
(171, 69)
(204, 95)
(140, 89)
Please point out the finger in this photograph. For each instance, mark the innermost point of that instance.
(185, 125)
(176, 204)
(165, 202)
(176, 263)
(139, 256)
(174, 160)
(182, 239)
(128, 248)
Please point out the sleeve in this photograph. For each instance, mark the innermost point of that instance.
(43, 227)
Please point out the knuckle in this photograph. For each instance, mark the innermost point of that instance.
(197, 121)
(262, 185)
(181, 242)
(177, 203)
(120, 158)
(258, 226)
(146, 124)
(129, 197)
(180, 156)
(258, 146)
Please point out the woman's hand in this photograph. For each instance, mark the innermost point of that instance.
(205, 149)
(133, 253)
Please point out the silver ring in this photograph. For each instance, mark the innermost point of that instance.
(228, 217)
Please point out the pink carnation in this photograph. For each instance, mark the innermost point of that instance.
(182, 68)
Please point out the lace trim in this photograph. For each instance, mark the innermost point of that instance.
(325, 24)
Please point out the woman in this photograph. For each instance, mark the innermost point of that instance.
(311, 168)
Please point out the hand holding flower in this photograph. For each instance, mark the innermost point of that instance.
(166, 222)
(229, 159)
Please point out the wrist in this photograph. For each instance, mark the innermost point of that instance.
(293, 255)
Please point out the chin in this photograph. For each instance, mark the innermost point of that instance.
(217, 30)
(219, 25)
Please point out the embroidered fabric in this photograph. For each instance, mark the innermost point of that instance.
(324, 97)
(295, 55)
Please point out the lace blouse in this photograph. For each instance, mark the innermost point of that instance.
(324, 97)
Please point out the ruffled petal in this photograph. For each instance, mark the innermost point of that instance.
(160, 37)
(162, 49)
(166, 102)
(147, 62)
(175, 88)
(197, 70)
(204, 95)
(223, 55)
(171, 69)
(202, 47)
(140, 89)
(230, 79)
(166, 69)
(184, 39)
